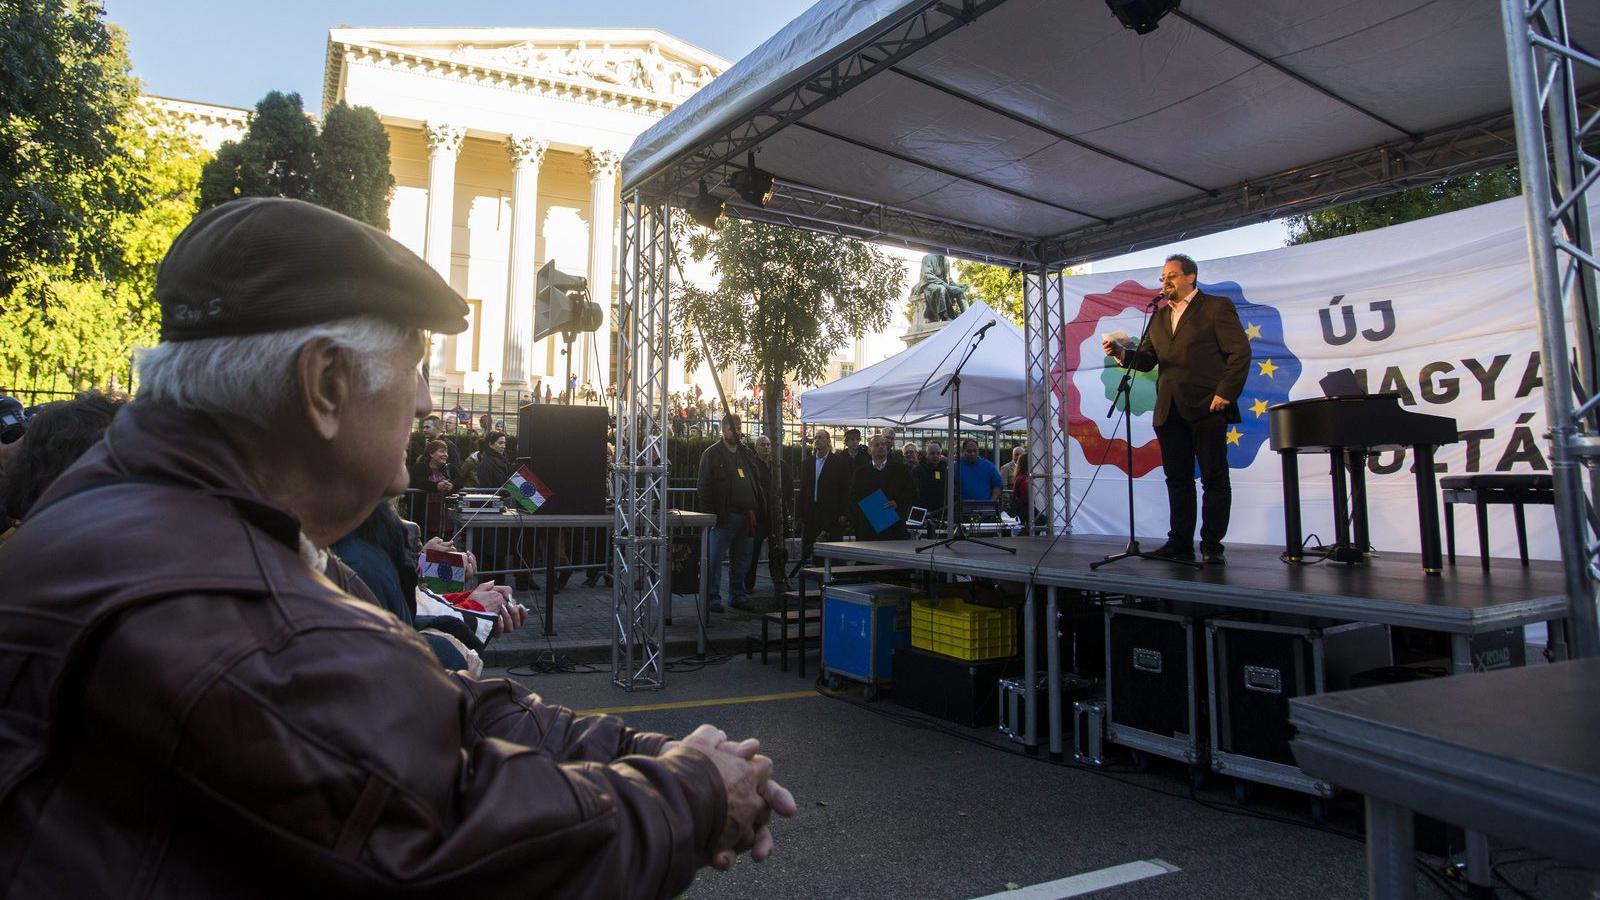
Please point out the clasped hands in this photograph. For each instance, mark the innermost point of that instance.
(752, 794)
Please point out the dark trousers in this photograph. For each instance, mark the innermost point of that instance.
(817, 527)
(1182, 445)
(774, 560)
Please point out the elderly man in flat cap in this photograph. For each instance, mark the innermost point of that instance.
(188, 708)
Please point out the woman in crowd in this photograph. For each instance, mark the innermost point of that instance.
(493, 466)
(433, 476)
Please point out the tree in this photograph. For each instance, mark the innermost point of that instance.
(56, 321)
(345, 167)
(997, 286)
(785, 300)
(275, 159)
(65, 90)
(352, 173)
(1405, 206)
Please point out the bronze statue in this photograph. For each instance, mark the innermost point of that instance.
(942, 299)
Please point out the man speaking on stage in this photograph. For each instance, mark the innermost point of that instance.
(1204, 356)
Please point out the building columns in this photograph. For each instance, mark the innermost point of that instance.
(444, 143)
(603, 167)
(527, 155)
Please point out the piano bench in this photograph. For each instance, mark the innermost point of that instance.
(1483, 490)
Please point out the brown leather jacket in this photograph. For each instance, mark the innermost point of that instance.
(187, 710)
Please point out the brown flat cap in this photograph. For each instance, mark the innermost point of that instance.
(264, 264)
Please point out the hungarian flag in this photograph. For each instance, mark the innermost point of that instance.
(527, 489)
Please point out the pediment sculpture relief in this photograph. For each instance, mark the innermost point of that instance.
(641, 68)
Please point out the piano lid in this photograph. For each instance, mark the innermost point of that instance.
(1371, 421)
(1382, 398)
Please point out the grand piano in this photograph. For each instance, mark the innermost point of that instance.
(1349, 429)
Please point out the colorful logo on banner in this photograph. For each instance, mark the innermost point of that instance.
(1273, 371)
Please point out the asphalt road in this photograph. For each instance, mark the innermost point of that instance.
(893, 804)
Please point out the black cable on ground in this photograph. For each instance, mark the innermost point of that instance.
(696, 662)
(549, 662)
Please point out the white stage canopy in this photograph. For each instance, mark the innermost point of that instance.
(1041, 132)
(904, 389)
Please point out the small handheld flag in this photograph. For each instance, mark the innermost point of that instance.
(443, 571)
(525, 488)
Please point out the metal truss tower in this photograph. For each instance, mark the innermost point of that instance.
(1558, 173)
(641, 555)
(1044, 310)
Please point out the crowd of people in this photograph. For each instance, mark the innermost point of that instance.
(215, 683)
(838, 497)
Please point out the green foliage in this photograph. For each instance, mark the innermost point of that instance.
(222, 176)
(1405, 206)
(997, 286)
(785, 300)
(345, 167)
(65, 92)
(352, 173)
(275, 159)
(57, 320)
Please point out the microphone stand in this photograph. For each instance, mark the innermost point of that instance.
(960, 532)
(1125, 394)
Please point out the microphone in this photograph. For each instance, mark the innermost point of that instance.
(1160, 295)
(988, 325)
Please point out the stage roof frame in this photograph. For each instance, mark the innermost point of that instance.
(1041, 133)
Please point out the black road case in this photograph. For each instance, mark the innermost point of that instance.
(1153, 679)
(1254, 667)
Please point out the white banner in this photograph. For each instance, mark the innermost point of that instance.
(1439, 310)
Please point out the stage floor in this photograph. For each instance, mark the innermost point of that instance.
(1391, 589)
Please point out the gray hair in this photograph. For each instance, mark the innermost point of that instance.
(252, 376)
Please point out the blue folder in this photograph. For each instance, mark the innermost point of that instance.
(878, 517)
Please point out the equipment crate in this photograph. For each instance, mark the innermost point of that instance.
(963, 630)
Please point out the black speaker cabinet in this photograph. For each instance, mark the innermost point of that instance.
(1153, 679)
(956, 690)
(1256, 667)
(565, 447)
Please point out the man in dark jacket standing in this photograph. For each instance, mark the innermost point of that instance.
(929, 476)
(1204, 355)
(882, 473)
(731, 490)
(855, 451)
(823, 506)
(776, 554)
(193, 710)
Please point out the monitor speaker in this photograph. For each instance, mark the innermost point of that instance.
(565, 447)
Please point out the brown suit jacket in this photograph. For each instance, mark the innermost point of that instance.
(1208, 354)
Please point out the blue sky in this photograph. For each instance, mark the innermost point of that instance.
(232, 53)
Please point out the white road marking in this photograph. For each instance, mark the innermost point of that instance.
(1088, 882)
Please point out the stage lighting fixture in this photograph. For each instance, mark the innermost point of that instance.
(753, 184)
(1141, 15)
(706, 208)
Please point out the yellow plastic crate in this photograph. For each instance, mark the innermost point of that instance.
(963, 630)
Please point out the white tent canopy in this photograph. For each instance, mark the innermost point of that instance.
(904, 389)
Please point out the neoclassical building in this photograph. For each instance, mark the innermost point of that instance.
(505, 145)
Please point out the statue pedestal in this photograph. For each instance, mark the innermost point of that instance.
(920, 331)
